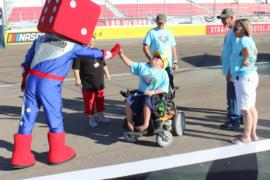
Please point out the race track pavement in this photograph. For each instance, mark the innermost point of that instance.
(201, 97)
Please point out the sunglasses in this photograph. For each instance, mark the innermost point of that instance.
(237, 28)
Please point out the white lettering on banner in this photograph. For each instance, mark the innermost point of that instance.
(126, 22)
(220, 29)
(28, 37)
(261, 28)
(23, 37)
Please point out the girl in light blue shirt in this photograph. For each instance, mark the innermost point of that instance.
(244, 73)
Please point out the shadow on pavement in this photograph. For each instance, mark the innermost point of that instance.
(203, 110)
(235, 168)
(202, 60)
(13, 112)
(5, 162)
(205, 117)
(206, 60)
(263, 57)
(77, 123)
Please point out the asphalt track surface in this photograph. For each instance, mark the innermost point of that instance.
(201, 97)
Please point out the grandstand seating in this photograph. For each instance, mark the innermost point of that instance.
(142, 10)
(24, 14)
(145, 9)
(33, 13)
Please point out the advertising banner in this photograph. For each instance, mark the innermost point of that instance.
(219, 29)
(122, 22)
(21, 37)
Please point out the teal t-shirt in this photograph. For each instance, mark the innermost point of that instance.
(162, 40)
(236, 58)
(150, 78)
(229, 43)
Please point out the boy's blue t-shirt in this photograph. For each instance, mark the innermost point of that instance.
(150, 78)
(162, 40)
(229, 42)
(236, 58)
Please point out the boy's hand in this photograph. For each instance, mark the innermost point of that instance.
(110, 54)
(150, 93)
(120, 52)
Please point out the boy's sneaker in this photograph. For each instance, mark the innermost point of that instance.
(102, 118)
(92, 122)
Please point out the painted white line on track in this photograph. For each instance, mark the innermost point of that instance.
(128, 74)
(156, 164)
(7, 85)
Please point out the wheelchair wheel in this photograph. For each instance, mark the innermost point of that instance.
(178, 124)
(131, 138)
(164, 138)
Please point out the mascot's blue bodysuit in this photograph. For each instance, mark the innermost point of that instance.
(46, 65)
(48, 62)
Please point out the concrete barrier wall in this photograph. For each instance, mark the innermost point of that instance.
(26, 36)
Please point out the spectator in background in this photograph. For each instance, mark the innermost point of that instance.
(163, 40)
(246, 79)
(234, 116)
(2, 39)
(90, 74)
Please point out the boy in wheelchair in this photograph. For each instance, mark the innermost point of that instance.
(153, 80)
(163, 109)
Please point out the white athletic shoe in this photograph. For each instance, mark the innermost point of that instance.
(92, 122)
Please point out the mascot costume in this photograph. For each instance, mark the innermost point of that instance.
(68, 26)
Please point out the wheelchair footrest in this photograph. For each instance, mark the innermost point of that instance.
(137, 133)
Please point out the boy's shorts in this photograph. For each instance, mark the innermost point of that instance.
(136, 102)
(245, 89)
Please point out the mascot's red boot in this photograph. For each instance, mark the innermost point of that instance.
(22, 156)
(59, 152)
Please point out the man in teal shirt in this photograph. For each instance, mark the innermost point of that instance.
(163, 40)
(233, 114)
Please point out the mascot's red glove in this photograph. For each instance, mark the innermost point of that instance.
(110, 54)
(25, 73)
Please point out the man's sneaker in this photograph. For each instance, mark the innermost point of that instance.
(102, 118)
(92, 122)
(229, 126)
